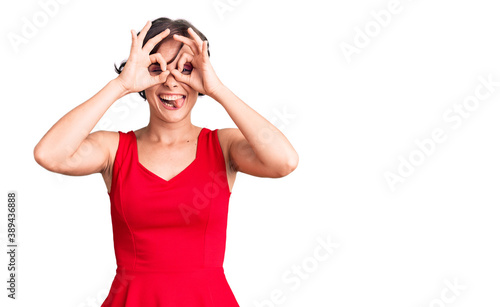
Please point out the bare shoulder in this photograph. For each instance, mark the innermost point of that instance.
(229, 137)
(107, 139)
(108, 142)
(226, 137)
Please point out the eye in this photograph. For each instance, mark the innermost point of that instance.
(187, 69)
(154, 69)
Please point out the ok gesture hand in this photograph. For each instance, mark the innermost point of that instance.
(135, 76)
(202, 77)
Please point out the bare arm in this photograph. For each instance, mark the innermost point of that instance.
(69, 147)
(257, 147)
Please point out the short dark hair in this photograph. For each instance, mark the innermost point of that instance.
(177, 26)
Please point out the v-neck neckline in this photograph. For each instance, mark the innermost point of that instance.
(136, 158)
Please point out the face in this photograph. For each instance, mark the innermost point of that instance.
(171, 101)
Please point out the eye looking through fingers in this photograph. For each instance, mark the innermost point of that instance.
(154, 69)
(184, 64)
(187, 69)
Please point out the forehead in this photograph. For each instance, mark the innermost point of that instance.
(170, 50)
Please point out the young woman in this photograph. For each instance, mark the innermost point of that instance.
(169, 183)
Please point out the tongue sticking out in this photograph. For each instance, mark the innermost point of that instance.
(173, 103)
(179, 102)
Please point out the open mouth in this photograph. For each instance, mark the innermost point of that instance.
(172, 102)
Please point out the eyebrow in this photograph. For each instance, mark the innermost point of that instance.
(182, 45)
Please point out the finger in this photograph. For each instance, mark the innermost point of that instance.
(133, 47)
(155, 40)
(158, 58)
(161, 78)
(196, 38)
(205, 48)
(180, 77)
(134, 39)
(143, 32)
(185, 57)
(189, 42)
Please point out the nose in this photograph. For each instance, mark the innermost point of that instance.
(171, 82)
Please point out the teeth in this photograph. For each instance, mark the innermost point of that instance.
(171, 97)
(169, 104)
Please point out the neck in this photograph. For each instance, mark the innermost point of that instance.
(158, 130)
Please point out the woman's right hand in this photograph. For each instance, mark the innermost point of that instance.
(135, 75)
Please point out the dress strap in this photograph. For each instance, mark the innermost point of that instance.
(122, 153)
(214, 158)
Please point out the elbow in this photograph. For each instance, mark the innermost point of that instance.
(40, 156)
(43, 158)
(289, 166)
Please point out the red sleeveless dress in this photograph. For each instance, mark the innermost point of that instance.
(170, 236)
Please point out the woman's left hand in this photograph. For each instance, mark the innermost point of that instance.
(202, 77)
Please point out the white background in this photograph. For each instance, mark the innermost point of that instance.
(349, 118)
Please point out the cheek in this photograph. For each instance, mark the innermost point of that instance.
(150, 90)
(189, 90)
